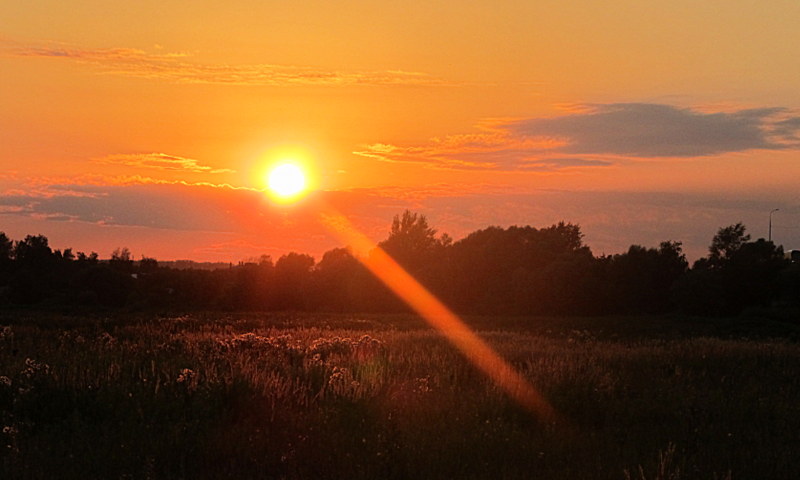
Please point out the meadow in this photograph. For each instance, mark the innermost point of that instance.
(133, 396)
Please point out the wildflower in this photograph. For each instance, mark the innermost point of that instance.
(368, 347)
(186, 376)
(337, 377)
(6, 333)
(334, 346)
(107, 339)
(281, 342)
(315, 360)
(32, 368)
(422, 385)
(367, 340)
(5, 381)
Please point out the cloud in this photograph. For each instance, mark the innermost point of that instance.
(496, 150)
(176, 68)
(213, 221)
(167, 206)
(654, 130)
(788, 130)
(161, 161)
(601, 135)
(184, 206)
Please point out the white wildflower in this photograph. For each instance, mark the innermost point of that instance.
(186, 376)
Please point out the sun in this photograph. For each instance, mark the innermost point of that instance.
(287, 181)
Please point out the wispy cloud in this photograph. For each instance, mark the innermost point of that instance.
(600, 135)
(160, 161)
(177, 68)
(492, 150)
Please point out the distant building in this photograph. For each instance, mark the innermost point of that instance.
(793, 255)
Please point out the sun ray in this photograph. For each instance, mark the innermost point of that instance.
(440, 317)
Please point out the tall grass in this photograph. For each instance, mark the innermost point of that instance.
(385, 397)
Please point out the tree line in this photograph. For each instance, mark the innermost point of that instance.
(509, 271)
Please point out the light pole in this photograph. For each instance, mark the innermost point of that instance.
(770, 223)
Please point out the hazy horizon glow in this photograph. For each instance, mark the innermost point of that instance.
(152, 125)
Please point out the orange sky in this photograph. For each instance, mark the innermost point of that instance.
(150, 124)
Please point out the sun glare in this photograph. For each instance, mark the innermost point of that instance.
(286, 181)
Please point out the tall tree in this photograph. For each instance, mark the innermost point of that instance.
(736, 274)
(415, 245)
(33, 252)
(121, 259)
(342, 283)
(292, 281)
(726, 243)
(411, 238)
(641, 280)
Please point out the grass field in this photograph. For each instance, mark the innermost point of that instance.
(325, 396)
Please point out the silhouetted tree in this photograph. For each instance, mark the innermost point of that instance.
(342, 283)
(6, 250)
(643, 278)
(293, 281)
(104, 285)
(6, 262)
(514, 270)
(249, 286)
(517, 270)
(736, 274)
(562, 238)
(32, 272)
(66, 255)
(570, 285)
(33, 252)
(725, 243)
(751, 275)
(148, 265)
(83, 258)
(412, 242)
(565, 280)
(789, 281)
(480, 268)
(121, 260)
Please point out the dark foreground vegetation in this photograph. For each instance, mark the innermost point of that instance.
(516, 270)
(135, 396)
(111, 369)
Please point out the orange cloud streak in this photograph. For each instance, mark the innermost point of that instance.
(161, 161)
(173, 67)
